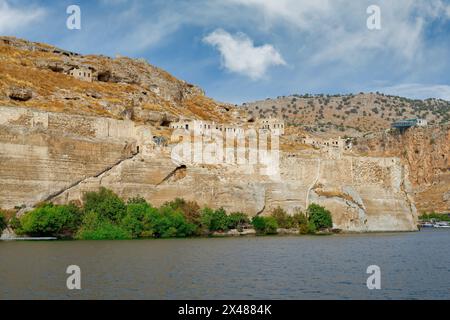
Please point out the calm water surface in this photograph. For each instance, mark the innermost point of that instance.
(413, 266)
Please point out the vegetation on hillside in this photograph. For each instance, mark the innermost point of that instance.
(363, 112)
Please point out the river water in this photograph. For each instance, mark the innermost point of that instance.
(413, 266)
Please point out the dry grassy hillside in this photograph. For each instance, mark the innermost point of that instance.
(351, 114)
(37, 75)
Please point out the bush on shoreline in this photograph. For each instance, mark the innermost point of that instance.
(319, 216)
(95, 227)
(51, 220)
(105, 216)
(2, 222)
(435, 216)
(265, 225)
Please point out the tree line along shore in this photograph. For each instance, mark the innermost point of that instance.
(105, 216)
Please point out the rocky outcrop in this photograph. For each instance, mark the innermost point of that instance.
(426, 153)
(20, 94)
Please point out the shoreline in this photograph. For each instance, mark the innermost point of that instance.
(218, 236)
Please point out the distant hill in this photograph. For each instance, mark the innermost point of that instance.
(353, 114)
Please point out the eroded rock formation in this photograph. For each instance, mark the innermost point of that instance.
(426, 152)
(58, 157)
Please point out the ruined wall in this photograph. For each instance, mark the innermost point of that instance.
(42, 153)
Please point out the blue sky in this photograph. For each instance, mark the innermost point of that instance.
(244, 50)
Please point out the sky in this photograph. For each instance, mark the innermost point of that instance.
(245, 50)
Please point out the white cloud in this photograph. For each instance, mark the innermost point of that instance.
(419, 91)
(12, 19)
(336, 29)
(240, 55)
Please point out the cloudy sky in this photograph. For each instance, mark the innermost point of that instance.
(243, 50)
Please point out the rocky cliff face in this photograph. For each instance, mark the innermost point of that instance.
(61, 136)
(426, 152)
(56, 157)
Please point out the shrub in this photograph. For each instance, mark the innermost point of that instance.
(97, 228)
(137, 219)
(51, 220)
(171, 223)
(2, 222)
(15, 224)
(282, 218)
(319, 216)
(190, 209)
(237, 220)
(259, 224)
(301, 221)
(435, 216)
(137, 200)
(265, 225)
(311, 228)
(214, 220)
(271, 225)
(106, 203)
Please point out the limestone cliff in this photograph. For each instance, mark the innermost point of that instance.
(426, 152)
(56, 157)
(71, 123)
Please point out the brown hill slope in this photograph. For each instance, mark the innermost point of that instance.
(37, 75)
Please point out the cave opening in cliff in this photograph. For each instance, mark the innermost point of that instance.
(104, 76)
(165, 123)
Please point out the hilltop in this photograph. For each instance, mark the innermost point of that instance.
(37, 75)
(353, 114)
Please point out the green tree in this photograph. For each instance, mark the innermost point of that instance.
(95, 227)
(265, 225)
(190, 209)
(214, 220)
(137, 219)
(319, 216)
(51, 220)
(106, 203)
(171, 223)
